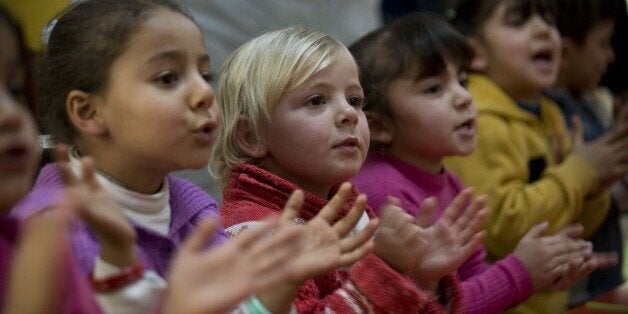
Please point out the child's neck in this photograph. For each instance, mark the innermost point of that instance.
(433, 165)
(130, 177)
(525, 94)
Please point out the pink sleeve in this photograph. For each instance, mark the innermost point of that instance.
(494, 288)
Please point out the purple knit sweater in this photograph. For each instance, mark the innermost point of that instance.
(189, 205)
(486, 288)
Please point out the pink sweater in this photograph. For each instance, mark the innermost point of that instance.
(74, 293)
(253, 194)
(487, 288)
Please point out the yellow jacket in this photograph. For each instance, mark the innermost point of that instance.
(514, 145)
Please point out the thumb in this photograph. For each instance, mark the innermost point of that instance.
(537, 231)
(425, 215)
(572, 231)
(201, 236)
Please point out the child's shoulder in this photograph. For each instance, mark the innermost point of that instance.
(45, 193)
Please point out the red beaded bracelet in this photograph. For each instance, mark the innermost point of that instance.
(119, 280)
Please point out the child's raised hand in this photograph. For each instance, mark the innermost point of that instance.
(554, 261)
(215, 281)
(326, 248)
(608, 154)
(116, 236)
(410, 245)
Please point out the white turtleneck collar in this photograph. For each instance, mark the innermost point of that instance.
(151, 211)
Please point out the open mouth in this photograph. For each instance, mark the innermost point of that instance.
(543, 56)
(468, 124)
(16, 156)
(350, 142)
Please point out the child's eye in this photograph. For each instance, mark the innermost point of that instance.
(316, 100)
(357, 101)
(433, 89)
(167, 78)
(464, 82)
(514, 19)
(208, 76)
(17, 90)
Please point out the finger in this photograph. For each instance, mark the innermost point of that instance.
(467, 229)
(61, 153)
(470, 246)
(568, 251)
(577, 130)
(351, 243)
(62, 160)
(355, 255)
(425, 215)
(344, 225)
(605, 260)
(292, 208)
(455, 208)
(472, 213)
(331, 210)
(270, 252)
(572, 231)
(567, 275)
(537, 230)
(88, 168)
(201, 236)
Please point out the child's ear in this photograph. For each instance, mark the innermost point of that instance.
(84, 114)
(381, 127)
(480, 60)
(247, 141)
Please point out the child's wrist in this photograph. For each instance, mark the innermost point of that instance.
(121, 278)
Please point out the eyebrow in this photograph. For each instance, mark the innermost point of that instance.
(173, 54)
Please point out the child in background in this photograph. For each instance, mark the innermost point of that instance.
(55, 282)
(414, 74)
(126, 82)
(524, 158)
(291, 106)
(586, 28)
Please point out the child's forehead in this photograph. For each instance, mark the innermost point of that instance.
(526, 8)
(164, 35)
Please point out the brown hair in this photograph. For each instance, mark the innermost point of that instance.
(83, 43)
(419, 45)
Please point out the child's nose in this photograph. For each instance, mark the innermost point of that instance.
(11, 112)
(203, 94)
(540, 26)
(463, 98)
(347, 115)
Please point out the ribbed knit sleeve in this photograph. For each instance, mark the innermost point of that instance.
(46, 193)
(503, 285)
(373, 287)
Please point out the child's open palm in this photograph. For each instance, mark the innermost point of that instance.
(428, 252)
(608, 154)
(558, 261)
(214, 281)
(116, 236)
(326, 248)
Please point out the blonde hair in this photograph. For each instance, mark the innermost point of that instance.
(254, 78)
